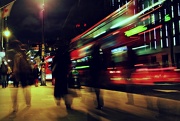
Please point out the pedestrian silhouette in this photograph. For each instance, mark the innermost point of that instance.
(21, 71)
(129, 68)
(4, 72)
(96, 67)
(60, 70)
(36, 74)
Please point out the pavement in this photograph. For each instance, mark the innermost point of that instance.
(43, 107)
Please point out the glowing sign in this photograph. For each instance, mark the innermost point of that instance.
(135, 30)
(167, 18)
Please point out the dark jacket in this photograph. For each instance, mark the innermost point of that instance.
(62, 63)
(4, 68)
(36, 72)
(131, 59)
(96, 66)
(22, 69)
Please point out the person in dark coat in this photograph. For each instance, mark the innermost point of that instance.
(129, 65)
(36, 74)
(14, 47)
(60, 71)
(4, 72)
(22, 74)
(129, 68)
(96, 67)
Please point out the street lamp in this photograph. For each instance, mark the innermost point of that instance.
(43, 74)
(7, 34)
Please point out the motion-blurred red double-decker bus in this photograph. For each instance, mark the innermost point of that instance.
(149, 28)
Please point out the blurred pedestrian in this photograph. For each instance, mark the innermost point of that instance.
(129, 64)
(4, 72)
(60, 71)
(36, 74)
(129, 68)
(21, 71)
(96, 68)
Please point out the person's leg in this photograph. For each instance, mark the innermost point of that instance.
(14, 98)
(36, 82)
(14, 83)
(58, 101)
(3, 81)
(6, 79)
(17, 83)
(27, 95)
(129, 87)
(68, 101)
(99, 98)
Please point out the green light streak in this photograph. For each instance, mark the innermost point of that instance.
(135, 48)
(128, 20)
(136, 30)
(99, 34)
(81, 67)
(108, 19)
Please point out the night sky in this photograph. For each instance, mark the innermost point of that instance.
(61, 17)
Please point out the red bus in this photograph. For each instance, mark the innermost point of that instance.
(48, 68)
(147, 29)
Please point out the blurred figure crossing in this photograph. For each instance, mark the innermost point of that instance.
(60, 71)
(96, 68)
(4, 72)
(21, 72)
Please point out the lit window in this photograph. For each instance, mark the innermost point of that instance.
(178, 9)
(112, 2)
(167, 43)
(172, 9)
(142, 6)
(155, 45)
(161, 43)
(165, 11)
(161, 33)
(166, 30)
(153, 19)
(179, 26)
(152, 2)
(159, 16)
(154, 33)
(173, 28)
(126, 4)
(144, 37)
(174, 40)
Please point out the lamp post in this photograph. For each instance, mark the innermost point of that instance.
(7, 34)
(43, 74)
